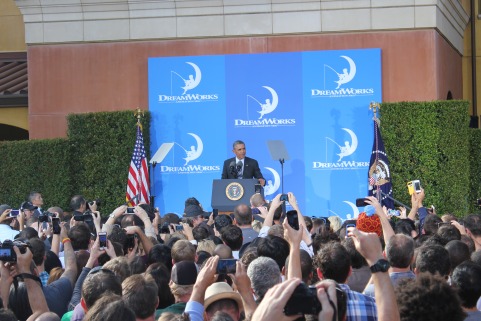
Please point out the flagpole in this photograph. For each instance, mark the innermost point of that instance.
(139, 114)
(138, 181)
(375, 107)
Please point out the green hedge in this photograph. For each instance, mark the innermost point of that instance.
(102, 146)
(40, 165)
(93, 161)
(475, 167)
(429, 141)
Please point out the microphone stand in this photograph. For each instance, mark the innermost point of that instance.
(281, 160)
(152, 184)
(395, 200)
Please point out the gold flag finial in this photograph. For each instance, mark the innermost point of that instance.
(375, 107)
(138, 114)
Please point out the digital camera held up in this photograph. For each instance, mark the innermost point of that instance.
(7, 253)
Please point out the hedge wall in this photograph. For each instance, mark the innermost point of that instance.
(102, 146)
(474, 167)
(429, 141)
(41, 165)
(92, 161)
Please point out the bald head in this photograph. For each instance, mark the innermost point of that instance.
(257, 200)
(223, 251)
(243, 215)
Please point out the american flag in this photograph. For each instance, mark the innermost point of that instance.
(138, 184)
(379, 174)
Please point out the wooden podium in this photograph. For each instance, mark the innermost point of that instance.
(228, 193)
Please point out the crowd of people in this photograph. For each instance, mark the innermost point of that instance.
(257, 263)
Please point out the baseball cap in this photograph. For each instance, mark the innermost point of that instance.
(184, 273)
(4, 207)
(28, 206)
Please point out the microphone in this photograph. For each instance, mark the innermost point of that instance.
(239, 166)
(239, 169)
(232, 169)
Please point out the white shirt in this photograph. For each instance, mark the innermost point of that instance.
(7, 233)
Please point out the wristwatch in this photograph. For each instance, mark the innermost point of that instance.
(380, 266)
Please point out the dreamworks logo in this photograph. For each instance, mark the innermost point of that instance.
(343, 78)
(272, 185)
(347, 149)
(349, 216)
(188, 155)
(182, 86)
(268, 106)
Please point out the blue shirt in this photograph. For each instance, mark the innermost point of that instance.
(395, 277)
(195, 311)
(43, 276)
(360, 307)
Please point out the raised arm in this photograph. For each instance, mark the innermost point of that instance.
(306, 236)
(69, 256)
(118, 212)
(56, 239)
(294, 237)
(36, 298)
(195, 306)
(148, 228)
(369, 245)
(416, 204)
(275, 203)
(146, 242)
(243, 285)
(387, 230)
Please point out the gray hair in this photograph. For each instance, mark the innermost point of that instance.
(400, 250)
(264, 273)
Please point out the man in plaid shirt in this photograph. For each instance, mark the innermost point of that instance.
(333, 262)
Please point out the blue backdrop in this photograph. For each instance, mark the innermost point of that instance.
(316, 103)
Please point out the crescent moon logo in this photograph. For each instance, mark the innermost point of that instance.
(346, 76)
(270, 105)
(355, 210)
(194, 152)
(272, 187)
(192, 81)
(348, 148)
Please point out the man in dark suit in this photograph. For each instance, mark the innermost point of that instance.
(36, 199)
(241, 166)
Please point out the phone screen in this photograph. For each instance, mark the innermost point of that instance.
(417, 186)
(102, 240)
(361, 202)
(130, 210)
(226, 266)
(215, 212)
(179, 227)
(56, 225)
(293, 219)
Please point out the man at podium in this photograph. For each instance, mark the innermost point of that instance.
(241, 166)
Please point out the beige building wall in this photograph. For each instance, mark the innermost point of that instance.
(12, 30)
(92, 55)
(468, 61)
(12, 39)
